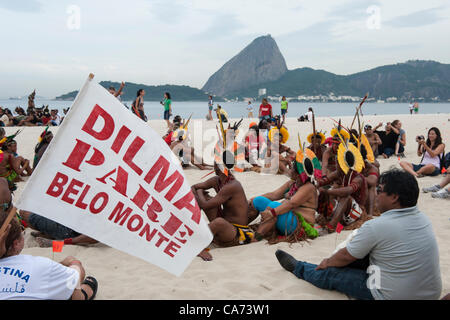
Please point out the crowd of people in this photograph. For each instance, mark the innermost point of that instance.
(33, 116)
(335, 183)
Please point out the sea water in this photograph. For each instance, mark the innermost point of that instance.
(199, 109)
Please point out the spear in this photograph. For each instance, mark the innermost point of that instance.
(314, 131)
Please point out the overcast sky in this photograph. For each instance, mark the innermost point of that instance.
(53, 45)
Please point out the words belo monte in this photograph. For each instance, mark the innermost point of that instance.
(78, 193)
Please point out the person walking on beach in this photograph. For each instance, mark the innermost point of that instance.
(416, 108)
(210, 108)
(250, 109)
(167, 103)
(398, 249)
(137, 106)
(284, 107)
(265, 110)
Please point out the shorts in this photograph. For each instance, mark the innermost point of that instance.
(283, 111)
(167, 114)
(210, 108)
(354, 213)
(416, 167)
(51, 228)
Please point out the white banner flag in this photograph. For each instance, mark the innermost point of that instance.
(108, 175)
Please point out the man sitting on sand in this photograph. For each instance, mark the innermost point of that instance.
(374, 139)
(44, 140)
(329, 157)
(178, 140)
(10, 169)
(389, 139)
(293, 219)
(344, 204)
(279, 156)
(33, 277)
(11, 147)
(226, 211)
(317, 145)
(253, 143)
(400, 248)
(49, 230)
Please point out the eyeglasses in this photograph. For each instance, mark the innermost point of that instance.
(380, 189)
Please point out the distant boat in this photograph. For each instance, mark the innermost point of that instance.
(15, 98)
(380, 101)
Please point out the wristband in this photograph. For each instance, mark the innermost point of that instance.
(68, 241)
(274, 214)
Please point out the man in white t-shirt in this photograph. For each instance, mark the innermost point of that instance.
(56, 119)
(26, 277)
(309, 114)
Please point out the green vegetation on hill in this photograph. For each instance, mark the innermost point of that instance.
(152, 93)
(405, 81)
(423, 80)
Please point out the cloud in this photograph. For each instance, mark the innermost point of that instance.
(353, 10)
(21, 6)
(417, 19)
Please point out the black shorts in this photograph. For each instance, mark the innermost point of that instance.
(167, 114)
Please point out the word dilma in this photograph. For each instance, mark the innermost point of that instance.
(78, 162)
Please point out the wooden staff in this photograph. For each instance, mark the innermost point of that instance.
(359, 108)
(8, 220)
(314, 132)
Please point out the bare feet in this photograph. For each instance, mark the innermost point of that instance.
(37, 234)
(44, 243)
(385, 156)
(255, 169)
(205, 255)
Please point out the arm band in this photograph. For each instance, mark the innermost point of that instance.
(273, 212)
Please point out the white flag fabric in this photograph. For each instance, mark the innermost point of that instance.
(108, 175)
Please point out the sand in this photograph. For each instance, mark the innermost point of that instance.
(249, 271)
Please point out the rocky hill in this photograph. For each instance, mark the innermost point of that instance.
(261, 61)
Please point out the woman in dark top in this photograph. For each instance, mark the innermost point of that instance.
(138, 105)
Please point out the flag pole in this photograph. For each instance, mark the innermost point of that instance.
(8, 220)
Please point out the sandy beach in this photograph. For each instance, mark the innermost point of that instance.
(249, 271)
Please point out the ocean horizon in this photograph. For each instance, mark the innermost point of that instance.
(199, 109)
